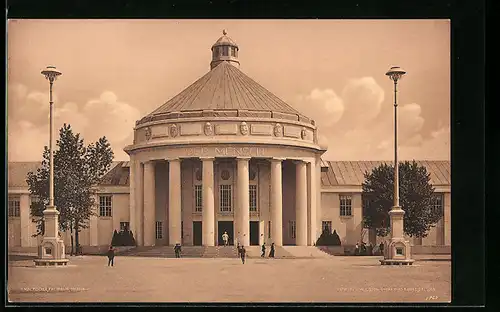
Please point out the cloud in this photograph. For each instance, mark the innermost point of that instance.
(436, 147)
(110, 117)
(354, 126)
(363, 130)
(410, 122)
(363, 99)
(28, 122)
(323, 106)
(25, 141)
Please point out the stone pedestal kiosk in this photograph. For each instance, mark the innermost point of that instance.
(51, 250)
(397, 250)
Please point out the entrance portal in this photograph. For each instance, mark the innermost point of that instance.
(254, 233)
(197, 233)
(225, 226)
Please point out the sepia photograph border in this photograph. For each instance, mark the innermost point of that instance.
(467, 108)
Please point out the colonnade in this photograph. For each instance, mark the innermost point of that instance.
(142, 202)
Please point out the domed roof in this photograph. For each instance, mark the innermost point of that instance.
(224, 40)
(223, 90)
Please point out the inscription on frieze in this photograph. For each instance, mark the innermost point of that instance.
(229, 151)
(159, 132)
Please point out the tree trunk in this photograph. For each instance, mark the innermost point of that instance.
(77, 240)
(71, 236)
(71, 252)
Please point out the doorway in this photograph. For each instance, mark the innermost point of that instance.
(225, 226)
(197, 233)
(254, 233)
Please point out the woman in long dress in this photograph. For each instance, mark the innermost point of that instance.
(271, 252)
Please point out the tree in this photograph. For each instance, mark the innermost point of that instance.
(77, 169)
(415, 196)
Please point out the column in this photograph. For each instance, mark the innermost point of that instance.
(262, 237)
(149, 204)
(276, 202)
(312, 213)
(243, 200)
(139, 203)
(301, 203)
(93, 224)
(174, 201)
(208, 210)
(24, 207)
(132, 197)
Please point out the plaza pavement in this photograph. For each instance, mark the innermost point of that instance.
(139, 279)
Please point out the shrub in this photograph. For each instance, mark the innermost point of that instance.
(132, 239)
(336, 238)
(114, 240)
(123, 238)
(328, 239)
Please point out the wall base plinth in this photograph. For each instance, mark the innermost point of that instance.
(50, 262)
(396, 262)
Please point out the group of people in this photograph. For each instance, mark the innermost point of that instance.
(242, 251)
(225, 238)
(111, 253)
(362, 249)
(271, 252)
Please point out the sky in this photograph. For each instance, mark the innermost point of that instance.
(333, 71)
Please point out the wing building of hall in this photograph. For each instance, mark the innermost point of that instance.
(227, 155)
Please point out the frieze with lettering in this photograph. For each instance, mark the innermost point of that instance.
(230, 151)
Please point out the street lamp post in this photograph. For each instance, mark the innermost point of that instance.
(395, 74)
(51, 74)
(51, 250)
(398, 250)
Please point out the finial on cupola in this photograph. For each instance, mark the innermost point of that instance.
(224, 32)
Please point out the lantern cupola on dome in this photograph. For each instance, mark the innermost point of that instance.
(224, 49)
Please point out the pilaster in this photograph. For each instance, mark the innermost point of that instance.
(24, 207)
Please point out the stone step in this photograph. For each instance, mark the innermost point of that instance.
(226, 252)
(282, 252)
(305, 252)
(279, 252)
(164, 252)
(187, 252)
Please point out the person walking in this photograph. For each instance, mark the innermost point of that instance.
(243, 254)
(271, 252)
(225, 238)
(263, 250)
(177, 250)
(111, 255)
(239, 249)
(381, 247)
(363, 248)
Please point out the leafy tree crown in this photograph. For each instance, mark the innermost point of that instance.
(77, 169)
(416, 195)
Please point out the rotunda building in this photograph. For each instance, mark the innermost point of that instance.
(225, 155)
